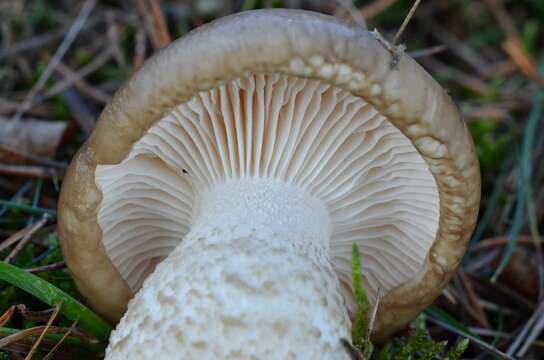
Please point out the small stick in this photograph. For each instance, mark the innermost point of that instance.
(459, 48)
(28, 170)
(14, 238)
(48, 267)
(472, 338)
(34, 158)
(528, 328)
(353, 352)
(38, 316)
(532, 337)
(57, 345)
(405, 23)
(62, 49)
(505, 21)
(32, 43)
(374, 313)
(427, 52)
(47, 326)
(375, 8)
(450, 294)
(7, 315)
(478, 311)
(37, 226)
(352, 10)
(160, 23)
(393, 47)
(114, 39)
(139, 49)
(148, 24)
(500, 241)
(21, 335)
(76, 76)
(81, 113)
(83, 86)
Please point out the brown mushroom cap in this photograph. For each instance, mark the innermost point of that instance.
(284, 42)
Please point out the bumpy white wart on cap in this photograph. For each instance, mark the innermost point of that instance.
(232, 180)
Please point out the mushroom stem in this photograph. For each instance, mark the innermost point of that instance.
(252, 279)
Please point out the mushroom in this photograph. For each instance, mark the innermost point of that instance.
(228, 179)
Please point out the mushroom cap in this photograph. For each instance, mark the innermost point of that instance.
(296, 44)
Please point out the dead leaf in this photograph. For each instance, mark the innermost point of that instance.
(522, 59)
(7, 315)
(521, 274)
(29, 138)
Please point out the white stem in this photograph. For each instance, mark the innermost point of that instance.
(252, 280)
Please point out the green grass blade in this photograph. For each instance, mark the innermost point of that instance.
(28, 208)
(525, 169)
(491, 206)
(448, 322)
(437, 313)
(54, 337)
(71, 308)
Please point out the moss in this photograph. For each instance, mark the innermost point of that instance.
(418, 346)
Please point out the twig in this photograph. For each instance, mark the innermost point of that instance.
(34, 158)
(373, 315)
(14, 238)
(34, 331)
(512, 45)
(83, 86)
(522, 59)
(160, 23)
(537, 315)
(77, 339)
(472, 338)
(28, 170)
(460, 77)
(533, 335)
(32, 43)
(464, 52)
(6, 316)
(500, 241)
(499, 68)
(41, 40)
(149, 24)
(352, 11)
(505, 21)
(537, 241)
(74, 77)
(48, 267)
(450, 294)
(491, 306)
(405, 23)
(427, 52)
(353, 352)
(114, 39)
(38, 316)
(64, 46)
(20, 192)
(489, 332)
(375, 8)
(473, 299)
(59, 343)
(79, 110)
(47, 326)
(491, 112)
(139, 49)
(33, 229)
